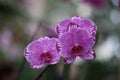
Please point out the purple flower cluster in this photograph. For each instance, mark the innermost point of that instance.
(76, 38)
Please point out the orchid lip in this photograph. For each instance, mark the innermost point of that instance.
(46, 56)
(76, 50)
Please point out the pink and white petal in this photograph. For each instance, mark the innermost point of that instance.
(79, 35)
(65, 22)
(55, 56)
(26, 53)
(58, 47)
(66, 39)
(87, 44)
(52, 43)
(44, 42)
(76, 19)
(86, 23)
(92, 31)
(83, 34)
(34, 61)
(33, 66)
(32, 58)
(63, 26)
(88, 56)
(48, 43)
(57, 30)
(34, 46)
(69, 60)
(55, 59)
(66, 51)
(83, 22)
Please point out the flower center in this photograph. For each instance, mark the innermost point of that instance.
(72, 25)
(46, 56)
(76, 50)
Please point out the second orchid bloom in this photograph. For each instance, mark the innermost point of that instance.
(76, 38)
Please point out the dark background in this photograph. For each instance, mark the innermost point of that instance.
(21, 19)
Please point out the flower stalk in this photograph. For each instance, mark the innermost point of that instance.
(42, 73)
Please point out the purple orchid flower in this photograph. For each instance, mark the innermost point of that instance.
(41, 52)
(76, 38)
(80, 22)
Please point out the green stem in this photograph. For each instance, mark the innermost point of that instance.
(42, 73)
(66, 72)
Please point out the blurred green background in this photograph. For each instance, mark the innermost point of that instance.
(21, 19)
